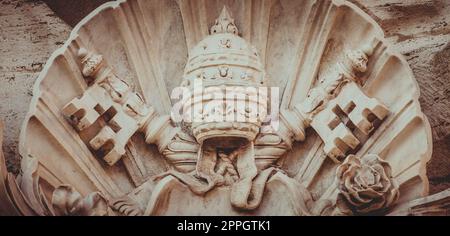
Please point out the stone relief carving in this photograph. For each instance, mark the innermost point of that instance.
(66, 201)
(366, 184)
(114, 148)
(109, 100)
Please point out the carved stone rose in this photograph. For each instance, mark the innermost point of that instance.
(365, 185)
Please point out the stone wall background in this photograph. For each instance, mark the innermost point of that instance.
(30, 30)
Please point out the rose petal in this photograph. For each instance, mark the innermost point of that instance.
(359, 183)
(367, 176)
(359, 201)
(370, 193)
(376, 204)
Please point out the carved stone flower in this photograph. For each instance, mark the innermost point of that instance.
(365, 184)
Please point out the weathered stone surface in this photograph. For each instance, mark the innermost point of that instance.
(30, 32)
(418, 29)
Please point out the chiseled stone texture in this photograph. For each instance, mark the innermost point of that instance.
(29, 33)
(417, 28)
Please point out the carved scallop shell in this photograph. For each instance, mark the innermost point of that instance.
(148, 42)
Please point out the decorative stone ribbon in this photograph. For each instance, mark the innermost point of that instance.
(246, 193)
